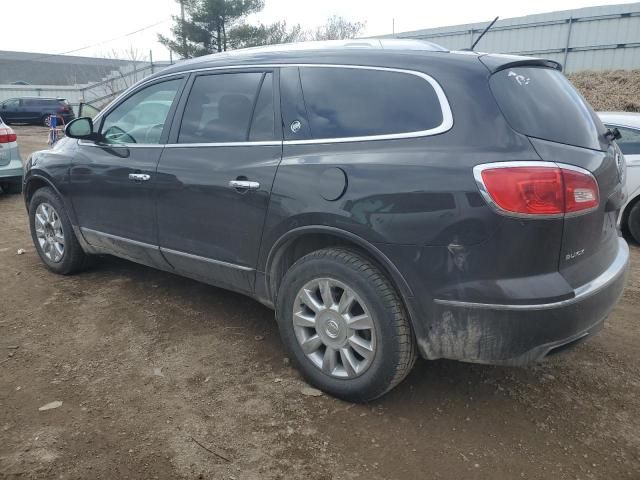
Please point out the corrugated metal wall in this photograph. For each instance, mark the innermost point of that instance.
(594, 38)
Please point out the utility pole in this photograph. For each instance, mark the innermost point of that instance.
(393, 26)
(184, 38)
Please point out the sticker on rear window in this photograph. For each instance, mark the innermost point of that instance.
(521, 79)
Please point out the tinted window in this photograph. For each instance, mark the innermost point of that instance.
(542, 103)
(220, 108)
(349, 102)
(11, 104)
(629, 142)
(142, 116)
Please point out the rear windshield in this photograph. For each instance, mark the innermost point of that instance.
(542, 103)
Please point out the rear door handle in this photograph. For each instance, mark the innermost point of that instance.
(244, 185)
(139, 177)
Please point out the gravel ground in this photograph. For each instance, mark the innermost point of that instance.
(163, 377)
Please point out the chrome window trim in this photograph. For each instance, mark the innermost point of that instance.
(88, 143)
(205, 259)
(477, 174)
(447, 115)
(617, 268)
(225, 144)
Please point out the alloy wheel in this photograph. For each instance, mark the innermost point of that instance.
(48, 227)
(334, 328)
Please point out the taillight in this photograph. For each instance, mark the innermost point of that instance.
(63, 109)
(7, 135)
(539, 189)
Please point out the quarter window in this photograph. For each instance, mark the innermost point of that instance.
(629, 142)
(350, 102)
(141, 117)
(220, 108)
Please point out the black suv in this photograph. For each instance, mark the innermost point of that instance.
(35, 110)
(388, 198)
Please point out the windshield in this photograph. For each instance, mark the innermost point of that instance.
(542, 103)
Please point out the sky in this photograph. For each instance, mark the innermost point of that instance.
(107, 27)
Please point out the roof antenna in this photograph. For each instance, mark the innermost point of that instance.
(483, 32)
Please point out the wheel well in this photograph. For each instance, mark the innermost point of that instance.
(625, 214)
(300, 246)
(32, 186)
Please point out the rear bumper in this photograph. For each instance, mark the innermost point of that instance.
(520, 334)
(12, 172)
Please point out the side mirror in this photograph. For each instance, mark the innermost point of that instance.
(81, 128)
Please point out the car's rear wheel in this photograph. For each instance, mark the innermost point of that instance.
(53, 235)
(344, 325)
(633, 221)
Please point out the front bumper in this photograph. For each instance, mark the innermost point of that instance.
(521, 334)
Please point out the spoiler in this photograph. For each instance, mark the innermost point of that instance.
(497, 62)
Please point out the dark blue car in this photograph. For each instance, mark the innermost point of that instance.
(35, 110)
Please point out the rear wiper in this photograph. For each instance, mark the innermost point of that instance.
(612, 134)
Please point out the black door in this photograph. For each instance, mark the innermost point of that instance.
(113, 182)
(215, 178)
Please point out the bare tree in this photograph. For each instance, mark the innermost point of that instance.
(125, 68)
(338, 28)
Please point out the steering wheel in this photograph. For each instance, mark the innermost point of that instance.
(117, 135)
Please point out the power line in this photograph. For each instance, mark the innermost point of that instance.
(98, 43)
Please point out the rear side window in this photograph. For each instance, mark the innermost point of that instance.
(220, 108)
(629, 142)
(353, 102)
(542, 103)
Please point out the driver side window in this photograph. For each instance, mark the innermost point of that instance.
(11, 104)
(142, 116)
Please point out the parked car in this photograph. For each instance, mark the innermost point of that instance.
(388, 198)
(10, 163)
(36, 110)
(628, 124)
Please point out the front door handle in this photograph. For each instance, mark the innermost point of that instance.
(244, 185)
(139, 177)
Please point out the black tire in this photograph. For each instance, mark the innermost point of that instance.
(73, 258)
(633, 221)
(395, 351)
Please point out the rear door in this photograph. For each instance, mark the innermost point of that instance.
(34, 110)
(563, 128)
(215, 176)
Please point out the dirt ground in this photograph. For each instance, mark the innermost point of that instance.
(163, 377)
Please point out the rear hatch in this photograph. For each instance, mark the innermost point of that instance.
(538, 101)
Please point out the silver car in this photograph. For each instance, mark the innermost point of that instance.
(10, 163)
(628, 124)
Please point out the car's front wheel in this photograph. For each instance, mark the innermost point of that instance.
(53, 235)
(344, 325)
